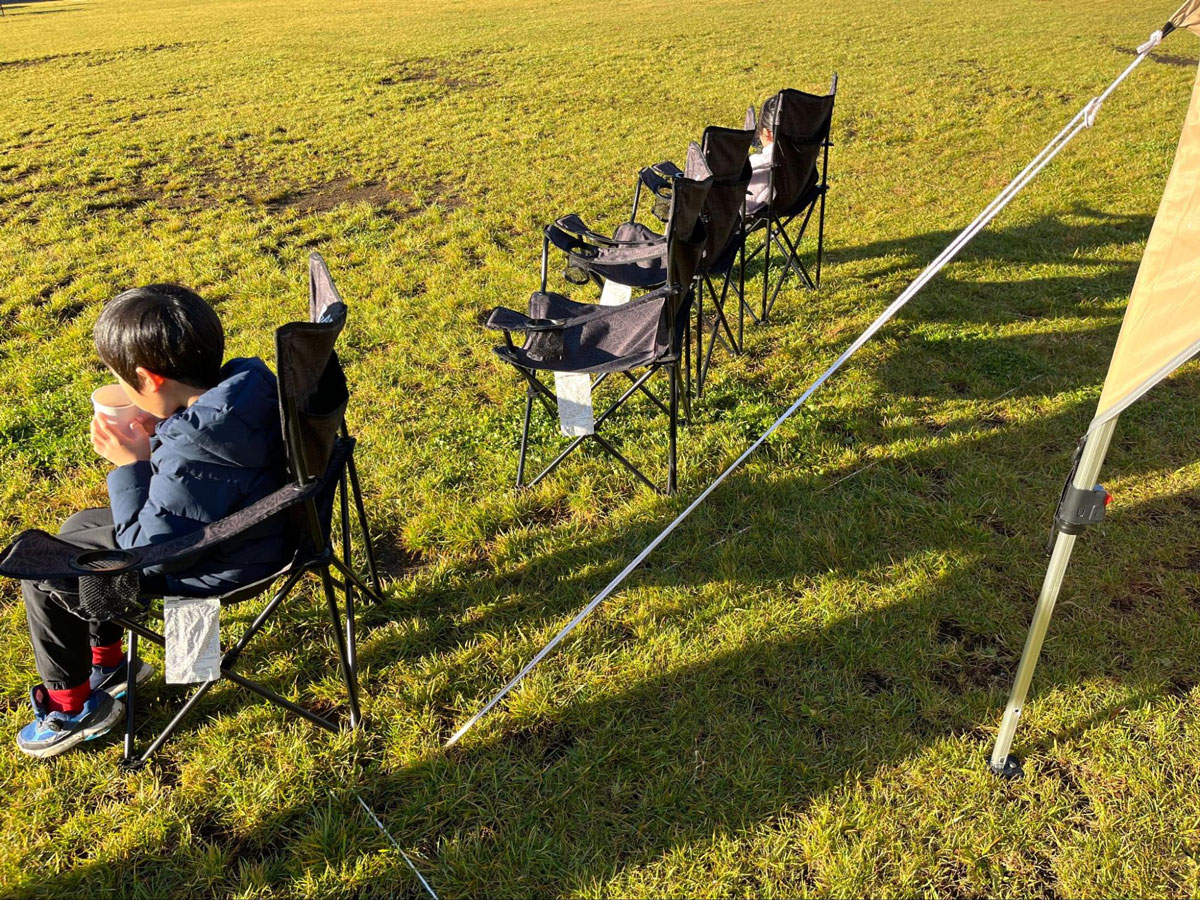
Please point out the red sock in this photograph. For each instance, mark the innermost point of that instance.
(108, 656)
(71, 700)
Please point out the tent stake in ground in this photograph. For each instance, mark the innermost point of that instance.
(1160, 332)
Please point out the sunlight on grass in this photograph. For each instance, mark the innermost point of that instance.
(797, 693)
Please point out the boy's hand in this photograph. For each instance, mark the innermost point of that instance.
(148, 421)
(118, 447)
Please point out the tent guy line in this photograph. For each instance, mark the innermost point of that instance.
(378, 824)
(1083, 119)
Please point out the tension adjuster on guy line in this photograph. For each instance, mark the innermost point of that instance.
(1153, 41)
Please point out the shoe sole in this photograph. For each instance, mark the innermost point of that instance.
(83, 734)
(119, 690)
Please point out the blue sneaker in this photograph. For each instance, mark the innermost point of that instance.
(114, 680)
(51, 733)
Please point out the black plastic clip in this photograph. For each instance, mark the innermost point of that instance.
(1080, 507)
(1077, 508)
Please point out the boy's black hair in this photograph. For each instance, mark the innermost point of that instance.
(770, 108)
(166, 329)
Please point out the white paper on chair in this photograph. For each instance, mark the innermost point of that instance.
(575, 416)
(615, 294)
(574, 392)
(192, 632)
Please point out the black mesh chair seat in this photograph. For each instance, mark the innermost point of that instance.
(584, 337)
(758, 214)
(635, 255)
(312, 399)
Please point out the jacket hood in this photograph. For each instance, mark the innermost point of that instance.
(235, 423)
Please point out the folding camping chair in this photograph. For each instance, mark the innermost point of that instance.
(312, 403)
(797, 185)
(564, 336)
(726, 153)
(636, 255)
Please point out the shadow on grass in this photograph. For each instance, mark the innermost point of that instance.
(788, 708)
(742, 737)
(1072, 239)
(18, 8)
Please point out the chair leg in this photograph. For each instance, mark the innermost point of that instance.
(766, 273)
(782, 279)
(275, 698)
(699, 338)
(791, 256)
(351, 637)
(638, 385)
(343, 653)
(687, 363)
(351, 653)
(545, 260)
(734, 346)
(742, 292)
(352, 577)
(674, 417)
(228, 661)
(620, 457)
(163, 735)
(131, 668)
(791, 251)
(687, 398)
(361, 509)
(821, 235)
(524, 437)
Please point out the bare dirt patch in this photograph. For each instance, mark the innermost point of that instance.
(92, 57)
(446, 74)
(329, 196)
(395, 203)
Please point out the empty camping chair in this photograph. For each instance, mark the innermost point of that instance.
(797, 183)
(104, 584)
(588, 339)
(635, 256)
(726, 151)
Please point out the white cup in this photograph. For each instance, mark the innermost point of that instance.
(113, 405)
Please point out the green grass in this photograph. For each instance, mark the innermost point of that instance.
(796, 694)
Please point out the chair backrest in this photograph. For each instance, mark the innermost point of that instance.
(801, 124)
(312, 386)
(687, 232)
(726, 151)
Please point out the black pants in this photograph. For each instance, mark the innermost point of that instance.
(62, 642)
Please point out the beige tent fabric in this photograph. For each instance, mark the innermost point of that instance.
(1161, 330)
(1187, 16)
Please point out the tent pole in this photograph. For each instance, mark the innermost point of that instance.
(1085, 477)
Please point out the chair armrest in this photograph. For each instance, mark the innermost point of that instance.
(504, 319)
(574, 227)
(508, 320)
(40, 556)
(659, 177)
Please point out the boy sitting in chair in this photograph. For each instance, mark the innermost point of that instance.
(206, 444)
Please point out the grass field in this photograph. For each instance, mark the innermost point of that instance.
(796, 694)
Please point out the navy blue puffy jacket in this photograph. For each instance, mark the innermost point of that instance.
(217, 456)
